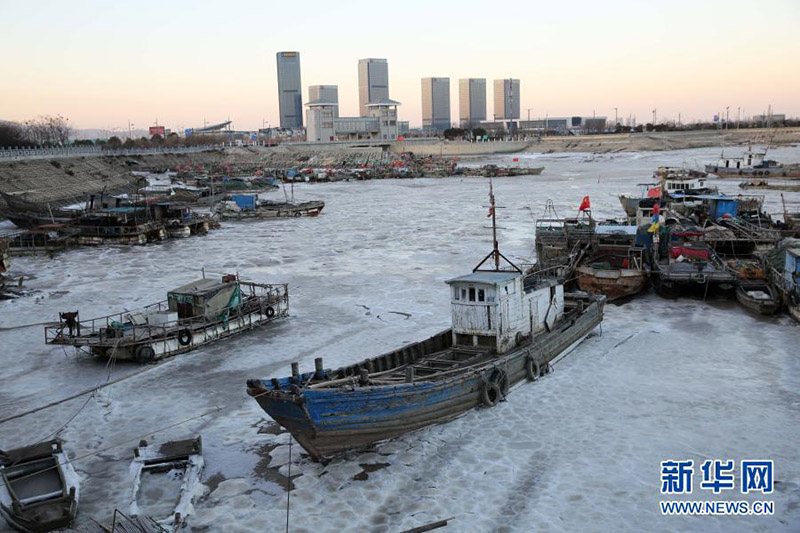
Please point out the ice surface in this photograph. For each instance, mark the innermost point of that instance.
(577, 451)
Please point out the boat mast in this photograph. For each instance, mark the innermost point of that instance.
(495, 248)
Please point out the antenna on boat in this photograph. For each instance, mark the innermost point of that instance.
(495, 253)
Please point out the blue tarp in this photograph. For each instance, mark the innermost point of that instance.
(245, 201)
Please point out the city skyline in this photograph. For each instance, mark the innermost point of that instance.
(121, 64)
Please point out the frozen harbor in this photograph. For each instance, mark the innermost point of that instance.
(577, 451)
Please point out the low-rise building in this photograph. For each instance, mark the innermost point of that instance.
(325, 126)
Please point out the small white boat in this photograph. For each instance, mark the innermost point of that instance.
(177, 462)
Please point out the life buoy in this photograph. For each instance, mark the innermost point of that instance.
(532, 369)
(270, 311)
(298, 214)
(766, 172)
(144, 354)
(185, 337)
(490, 393)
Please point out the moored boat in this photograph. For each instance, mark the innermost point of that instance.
(39, 489)
(249, 206)
(758, 296)
(753, 164)
(614, 279)
(180, 461)
(506, 328)
(193, 315)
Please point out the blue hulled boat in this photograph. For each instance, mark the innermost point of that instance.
(506, 327)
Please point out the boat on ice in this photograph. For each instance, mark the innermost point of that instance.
(193, 315)
(614, 274)
(39, 489)
(753, 164)
(177, 462)
(506, 328)
(249, 206)
(784, 263)
(758, 296)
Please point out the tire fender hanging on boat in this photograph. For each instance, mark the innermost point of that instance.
(532, 368)
(270, 311)
(145, 354)
(185, 337)
(490, 393)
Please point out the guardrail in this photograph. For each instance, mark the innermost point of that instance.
(81, 151)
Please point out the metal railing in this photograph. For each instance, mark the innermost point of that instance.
(120, 327)
(8, 153)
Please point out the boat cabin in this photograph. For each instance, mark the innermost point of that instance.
(204, 298)
(499, 310)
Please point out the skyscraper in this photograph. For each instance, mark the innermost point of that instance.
(373, 83)
(435, 103)
(290, 99)
(506, 99)
(471, 101)
(325, 93)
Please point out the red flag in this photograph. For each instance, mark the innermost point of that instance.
(656, 209)
(401, 138)
(655, 192)
(585, 204)
(491, 212)
(515, 160)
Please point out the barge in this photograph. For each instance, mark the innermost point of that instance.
(193, 315)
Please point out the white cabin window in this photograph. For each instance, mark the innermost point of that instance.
(457, 295)
(463, 294)
(481, 295)
(472, 294)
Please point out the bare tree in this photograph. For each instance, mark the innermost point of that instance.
(49, 130)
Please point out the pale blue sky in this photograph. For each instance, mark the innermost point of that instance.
(102, 63)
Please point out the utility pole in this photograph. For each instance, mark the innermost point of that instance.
(130, 130)
(616, 118)
(727, 117)
(738, 116)
(654, 119)
(529, 116)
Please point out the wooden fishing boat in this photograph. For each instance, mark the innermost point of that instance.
(614, 282)
(758, 296)
(196, 314)
(29, 214)
(247, 206)
(180, 462)
(39, 489)
(506, 328)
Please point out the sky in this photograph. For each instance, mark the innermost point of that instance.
(102, 64)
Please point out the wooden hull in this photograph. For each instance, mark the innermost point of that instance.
(330, 421)
(761, 306)
(39, 489)
(614, 282)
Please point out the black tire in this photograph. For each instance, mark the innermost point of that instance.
(185, 337)
(501, 378)
(766, 172)
(298, 214)
(490, 394)
(144, 354)
(270, 312)
(532, 369)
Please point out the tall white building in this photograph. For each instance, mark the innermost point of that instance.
(373, 83)
(435, 103)
(325, 93)
(290, 99)
(506, 99)
(471, 101)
